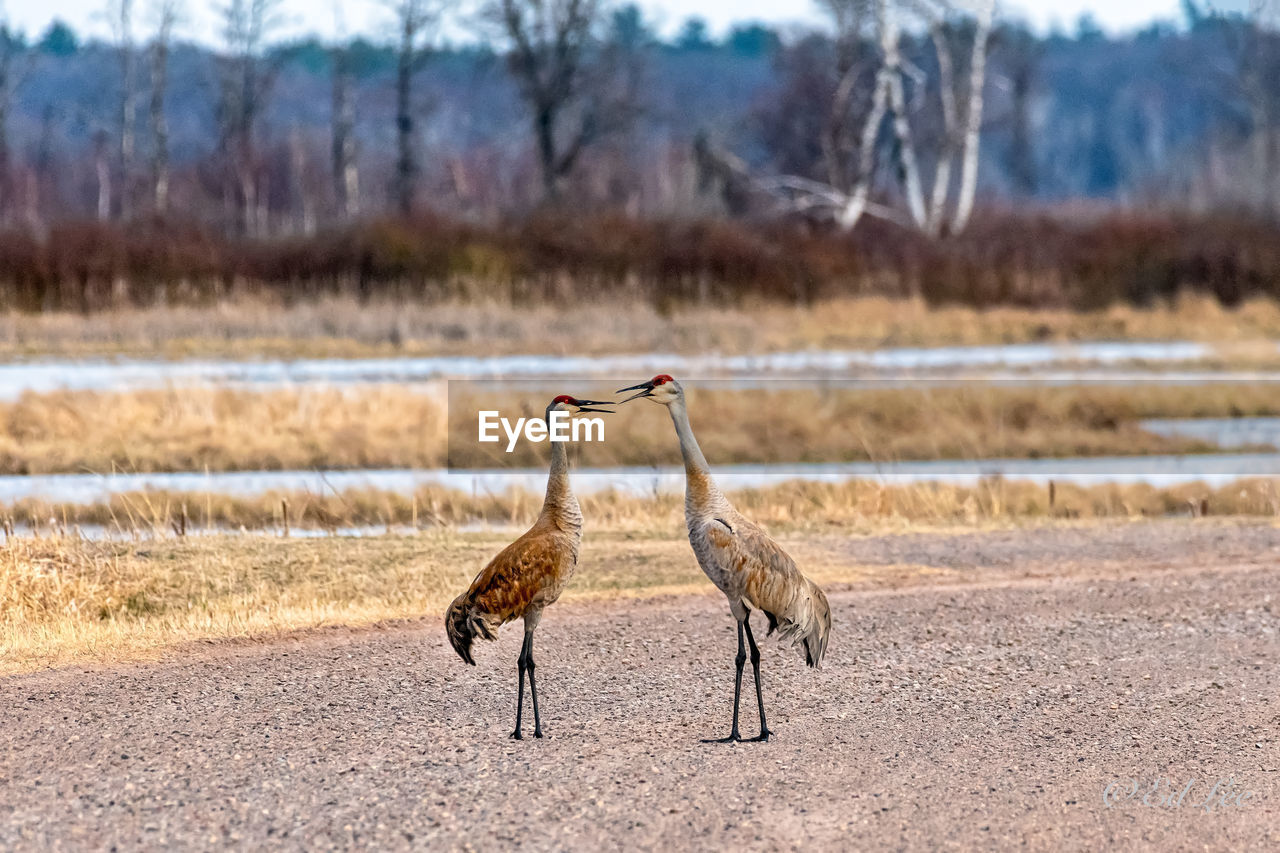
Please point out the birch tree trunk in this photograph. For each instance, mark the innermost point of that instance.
(848, 216)
(973, 117)
(947, 96)
(890, 45)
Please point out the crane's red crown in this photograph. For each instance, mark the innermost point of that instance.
(564, 398)
(662, 379)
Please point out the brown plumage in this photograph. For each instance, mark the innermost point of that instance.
(523, 578)
(528, 575)
(741, 560)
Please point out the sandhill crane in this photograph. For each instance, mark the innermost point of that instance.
(529, 574)
(740, 558)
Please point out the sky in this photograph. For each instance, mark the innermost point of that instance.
(370, 17)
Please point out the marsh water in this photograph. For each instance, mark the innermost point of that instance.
(127, 374)
(1062, 364)
(1212, 469)
(1223, 432)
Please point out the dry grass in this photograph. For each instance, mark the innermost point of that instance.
(973, 421)
(66, 599)
(343, 327)
(222, 429)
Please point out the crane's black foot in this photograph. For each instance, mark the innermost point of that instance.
(516, 735)
(733, 737)
(762, 737)
(537, 732)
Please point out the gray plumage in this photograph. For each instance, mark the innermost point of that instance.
(752, 570)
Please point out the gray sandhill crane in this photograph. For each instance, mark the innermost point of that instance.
(740, 558)
(529, 574)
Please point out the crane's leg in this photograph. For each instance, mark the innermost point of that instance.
(739, 662)
(533, 685)
(755, 666)
(522, 663)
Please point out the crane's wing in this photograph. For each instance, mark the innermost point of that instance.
(506, 587)
(525, 573)
(795, 606)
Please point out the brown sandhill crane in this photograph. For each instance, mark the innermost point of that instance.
(529, 574)
(740, 558)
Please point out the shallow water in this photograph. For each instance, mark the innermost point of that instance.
(1224, 432)
(1213, 469)
(123, 374)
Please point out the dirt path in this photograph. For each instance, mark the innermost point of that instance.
(991, 711)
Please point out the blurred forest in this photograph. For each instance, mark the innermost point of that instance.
(912, 148)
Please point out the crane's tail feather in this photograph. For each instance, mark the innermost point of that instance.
(463, 624)
(806, 621)
(815, 641)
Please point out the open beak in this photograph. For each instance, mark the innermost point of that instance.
(646, 392)
(586, 406)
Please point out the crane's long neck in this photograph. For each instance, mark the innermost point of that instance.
(560, 504)
(700, 492)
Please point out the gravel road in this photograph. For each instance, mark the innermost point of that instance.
(989, 711)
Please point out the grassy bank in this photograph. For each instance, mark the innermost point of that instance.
(223, 429)
(789, 506)
(64, 599)
(242, 326)
(68, 600)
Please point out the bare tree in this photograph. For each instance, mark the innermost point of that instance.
(303, 199)
(1021, 54)
(102, 173)
(413, 20)
(121, 19)
(1241, 160)
(38, 178)
(565, 76)
(345, 172)
(166, 19)
(12, 72)
(846, 193)
(830, 116)
(844, 138)
(1258, 64)
(246, 81)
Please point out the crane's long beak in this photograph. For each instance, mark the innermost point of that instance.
(647, 392)
(586, 406)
